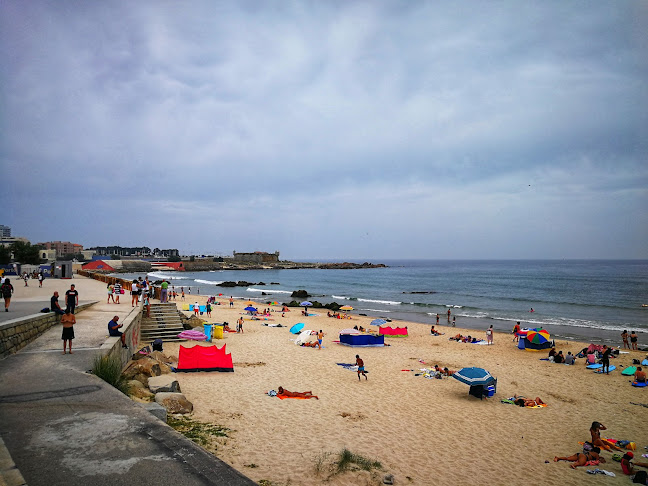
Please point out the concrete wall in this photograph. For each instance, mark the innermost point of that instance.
(18, 333)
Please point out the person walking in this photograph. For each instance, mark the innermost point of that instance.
(147, 305)
(360, 365)
(164, 286)
(134, 293)
(320, 337)
(71, 299)
(7, 291)
(40, 279)
(117, 290)
(516, 331)
(68, 320)
(111, 291)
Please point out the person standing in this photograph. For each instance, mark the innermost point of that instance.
(134, 293)
(71, 299)
(360, 365)
(68, 320)
(117, 290)
(239, 326)
(624, 336)
(40, 279)
(164, 288)
(516, 332)
(231, 301)
(208, 309)
(7, 291)
(449, 315)
(147, 305)
(633, 340)
(489, 335)
(320, 337)
(25, 278)
(605, 359)
(111, 290)
(196, 308)
(454, 321)
(437, 320)
(55, 306)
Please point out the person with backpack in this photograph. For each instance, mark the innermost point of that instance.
(7, 291)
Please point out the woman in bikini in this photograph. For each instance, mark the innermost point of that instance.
(286, 393)
(595, 431)
(524, 402)
(583, 458)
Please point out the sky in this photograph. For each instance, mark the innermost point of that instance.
(339, 130)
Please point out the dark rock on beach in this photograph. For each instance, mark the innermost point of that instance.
(300, 294)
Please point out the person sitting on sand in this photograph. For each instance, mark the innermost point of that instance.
(627, 466)
(434, 332)
(286, 393)
(591, 458)
(552, 354)
(362, 329)
(559, 358)
(595, 431)
(525, 402)
(447, 372)
(640, 375)
(569, 359)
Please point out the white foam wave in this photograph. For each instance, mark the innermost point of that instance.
(209, 282)
(340, 297)
(267, 291)
(161, 276)
(375, 310)
(386, 302)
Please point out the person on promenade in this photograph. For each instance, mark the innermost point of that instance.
(117, 288)
(360, 365)
(113, 330)
(516, 330)
(7, 291)
(605, 359)
(25, 278)
(147, 305)
(633, 340)
(134, 293)
(68, 320)
(320, 336)
(624, 337)
(40, 279)
(55, 306)
(71, 299)
(591, 458)
(307, 394)
(595, 432)
(489, 335)
(640, 375)
(111, 291)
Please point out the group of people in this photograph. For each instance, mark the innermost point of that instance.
(558, 357)
(633, 340)
(591, 455)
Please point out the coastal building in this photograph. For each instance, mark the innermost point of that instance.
(10, 240)
(256, 257)
(131, 252)
(5, 231)
(49, 255)
(62, 247)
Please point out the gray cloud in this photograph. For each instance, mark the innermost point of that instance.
(343, 129)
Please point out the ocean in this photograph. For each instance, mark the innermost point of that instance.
(590, 300)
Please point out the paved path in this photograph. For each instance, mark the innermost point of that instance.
(61, 425)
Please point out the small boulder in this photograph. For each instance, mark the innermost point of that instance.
(142, 369)
(163, 383)
(174, 402)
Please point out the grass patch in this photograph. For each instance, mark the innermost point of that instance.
(199, 432)
(108, 368)
(343, 461)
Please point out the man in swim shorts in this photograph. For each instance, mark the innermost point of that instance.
(640, 375)
(320, 336)
(360, 365)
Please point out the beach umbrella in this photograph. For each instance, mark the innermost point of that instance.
(538, 337)
(249, 302)
(306, 303)
(346, 307)
(473, 376)
(274, 303)
(250, 309)
(378, 322)
(297, 328)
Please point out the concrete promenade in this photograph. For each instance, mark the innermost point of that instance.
(61, 425)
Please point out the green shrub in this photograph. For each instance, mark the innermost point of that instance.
(108, 368)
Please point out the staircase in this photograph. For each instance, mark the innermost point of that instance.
(165, 324)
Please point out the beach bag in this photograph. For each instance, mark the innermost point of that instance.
(587, 446)
(45, 310)
(636, 361)
(640, 478)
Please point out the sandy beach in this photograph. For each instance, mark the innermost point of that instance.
(423, 431)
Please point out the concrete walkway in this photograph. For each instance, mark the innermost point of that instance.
(61, 425)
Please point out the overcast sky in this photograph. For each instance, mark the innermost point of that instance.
(328, 129)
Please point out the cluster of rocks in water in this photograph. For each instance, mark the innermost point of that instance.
(150, 380)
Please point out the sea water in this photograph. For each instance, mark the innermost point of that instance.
(576, 299)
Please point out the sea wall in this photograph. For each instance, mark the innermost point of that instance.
(18, 333)
(112, 346)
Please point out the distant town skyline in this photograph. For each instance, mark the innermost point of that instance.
(329, 130)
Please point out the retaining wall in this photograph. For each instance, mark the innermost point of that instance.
(18, 333)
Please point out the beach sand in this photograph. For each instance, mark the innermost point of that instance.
(422, 431)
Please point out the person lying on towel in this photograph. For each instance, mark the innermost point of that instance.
(286, 393)
(591, 458)
(524, 402)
